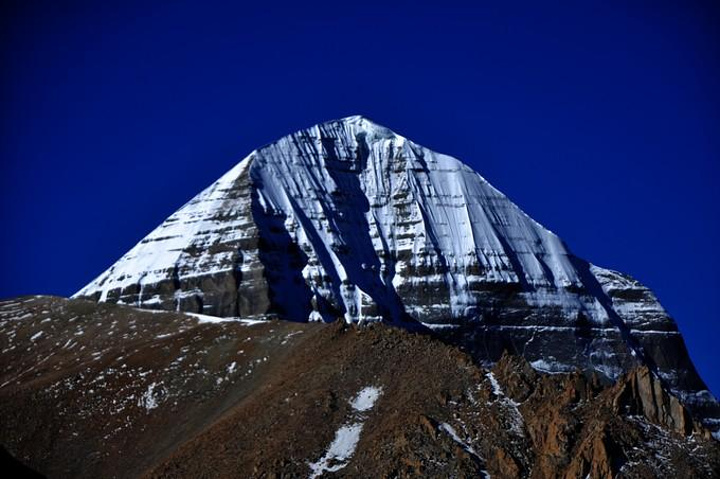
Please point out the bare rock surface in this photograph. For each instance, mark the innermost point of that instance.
(101, 390)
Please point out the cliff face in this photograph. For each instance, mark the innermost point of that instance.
(101, 390)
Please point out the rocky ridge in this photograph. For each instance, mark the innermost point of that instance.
(103, 390)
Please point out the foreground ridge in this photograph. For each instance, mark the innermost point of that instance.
(123, 392)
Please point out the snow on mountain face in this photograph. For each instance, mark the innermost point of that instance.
(381, 218)
(372, 214)
(349, 218)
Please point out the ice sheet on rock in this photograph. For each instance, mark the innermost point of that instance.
(516, 420)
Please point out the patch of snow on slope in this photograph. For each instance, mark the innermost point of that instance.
(453, 434)
(497, 390)
(204, 318)
(339, 451)
(517, 421)
(550, 367)
(148, 399)
(366, 398)
(440, 327)
(467, 447)
(347, 437)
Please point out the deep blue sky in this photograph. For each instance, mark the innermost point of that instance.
(602, 121)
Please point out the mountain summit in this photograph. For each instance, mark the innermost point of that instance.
(349, 219)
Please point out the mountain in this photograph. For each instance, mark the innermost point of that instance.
(93, 390)
(349, 219)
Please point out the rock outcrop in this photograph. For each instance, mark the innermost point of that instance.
(641, 393)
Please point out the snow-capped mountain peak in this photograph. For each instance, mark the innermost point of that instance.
(349, 219)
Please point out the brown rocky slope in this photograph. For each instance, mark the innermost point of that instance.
(90, 390)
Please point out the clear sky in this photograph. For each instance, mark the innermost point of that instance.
(600, 119)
